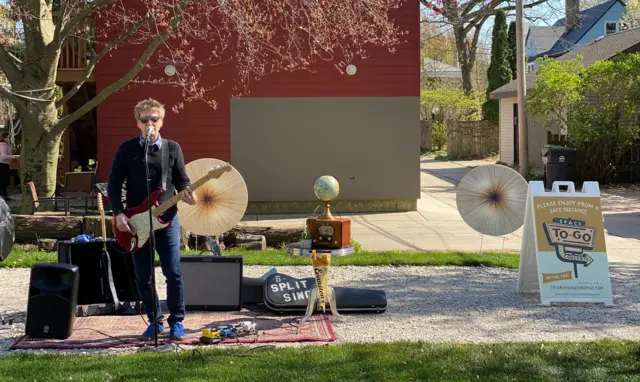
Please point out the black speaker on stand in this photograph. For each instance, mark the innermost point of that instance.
(53, 291)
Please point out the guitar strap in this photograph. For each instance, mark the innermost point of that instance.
(112, 287)
(164, 152)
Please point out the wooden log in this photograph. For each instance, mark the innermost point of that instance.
(249, 242)
(252, 242)
(275, 237)
(93, 226)
(31, 228)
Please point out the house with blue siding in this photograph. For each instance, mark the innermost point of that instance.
(573, 31)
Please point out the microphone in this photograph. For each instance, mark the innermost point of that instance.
(150, 130)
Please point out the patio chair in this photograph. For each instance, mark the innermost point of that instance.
(80, 185)
(55, 200)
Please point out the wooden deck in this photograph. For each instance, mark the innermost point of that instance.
(76, 53)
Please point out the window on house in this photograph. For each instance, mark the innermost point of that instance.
(611, 27)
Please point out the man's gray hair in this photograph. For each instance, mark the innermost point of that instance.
(148, 103)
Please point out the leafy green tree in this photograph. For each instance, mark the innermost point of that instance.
(631, 15)
(513, 50)
(499, 70)
(598, 106)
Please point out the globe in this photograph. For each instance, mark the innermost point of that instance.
(326, 188)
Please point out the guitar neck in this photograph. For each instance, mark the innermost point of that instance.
(102, 221)
(176, 198)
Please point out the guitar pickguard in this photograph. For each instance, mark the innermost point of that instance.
(140, 225)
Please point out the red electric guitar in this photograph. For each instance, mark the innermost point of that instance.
(139, 216)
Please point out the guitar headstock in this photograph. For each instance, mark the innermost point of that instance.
(100, 205)
(217, 171)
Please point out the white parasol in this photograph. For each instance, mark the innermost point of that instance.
(491, 199)
(221, 204)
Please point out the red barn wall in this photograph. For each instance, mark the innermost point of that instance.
(205, 132)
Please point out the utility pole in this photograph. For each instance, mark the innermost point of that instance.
(521, 82)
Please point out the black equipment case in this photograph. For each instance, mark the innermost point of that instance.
(284, 293)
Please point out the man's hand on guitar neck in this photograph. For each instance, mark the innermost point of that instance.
(122, 222)
(188, 196)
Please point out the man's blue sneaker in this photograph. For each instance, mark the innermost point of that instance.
(177, 331)
(148, 334)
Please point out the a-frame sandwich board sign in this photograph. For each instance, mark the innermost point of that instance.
(563, 245)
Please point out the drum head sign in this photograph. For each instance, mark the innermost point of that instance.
(571, 248)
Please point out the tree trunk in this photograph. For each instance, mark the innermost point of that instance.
(39, 153)
(466, 57)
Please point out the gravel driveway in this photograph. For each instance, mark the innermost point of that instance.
(434, 304)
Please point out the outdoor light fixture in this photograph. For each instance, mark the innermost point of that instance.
(169, 70)
(351, 69)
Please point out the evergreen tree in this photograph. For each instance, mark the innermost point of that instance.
(499, 72)
(513, 49)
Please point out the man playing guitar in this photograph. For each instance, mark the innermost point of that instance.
(167, 171)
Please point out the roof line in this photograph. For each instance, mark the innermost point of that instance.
(598, 19)
(567, 30)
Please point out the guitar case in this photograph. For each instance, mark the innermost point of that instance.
(283, 293)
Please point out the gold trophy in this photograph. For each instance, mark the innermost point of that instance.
(321, 291)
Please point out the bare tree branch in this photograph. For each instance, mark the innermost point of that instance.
(479, 14)
(468, 7)
(9, 65)
(59, 24)
(13, 98)
(114, 87)
(92, 64)
(85, 12)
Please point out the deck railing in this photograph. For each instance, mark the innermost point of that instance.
(79, 47)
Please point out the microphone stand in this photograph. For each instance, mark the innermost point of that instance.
(152, 241)
(152, 247)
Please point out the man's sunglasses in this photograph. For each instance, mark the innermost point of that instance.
(147, 119)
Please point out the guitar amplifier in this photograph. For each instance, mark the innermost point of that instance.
(329, 233)
(212, 282)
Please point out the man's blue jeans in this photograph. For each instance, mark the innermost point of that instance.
(167, 244)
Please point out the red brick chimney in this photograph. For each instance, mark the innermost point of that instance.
(572, 16)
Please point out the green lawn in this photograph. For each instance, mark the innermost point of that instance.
(593, 361)
(26, 256)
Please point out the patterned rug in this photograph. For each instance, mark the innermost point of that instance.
(123, 331)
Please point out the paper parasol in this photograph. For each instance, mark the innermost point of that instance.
(221, 204)
(491, 199)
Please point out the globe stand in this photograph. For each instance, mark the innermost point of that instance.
(327, 231)
(326, 214)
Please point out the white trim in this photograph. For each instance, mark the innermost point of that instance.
(611, 22)
(531, 66)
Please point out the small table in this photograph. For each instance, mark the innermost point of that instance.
(298, 250)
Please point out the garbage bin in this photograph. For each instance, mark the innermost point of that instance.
(558, 164)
